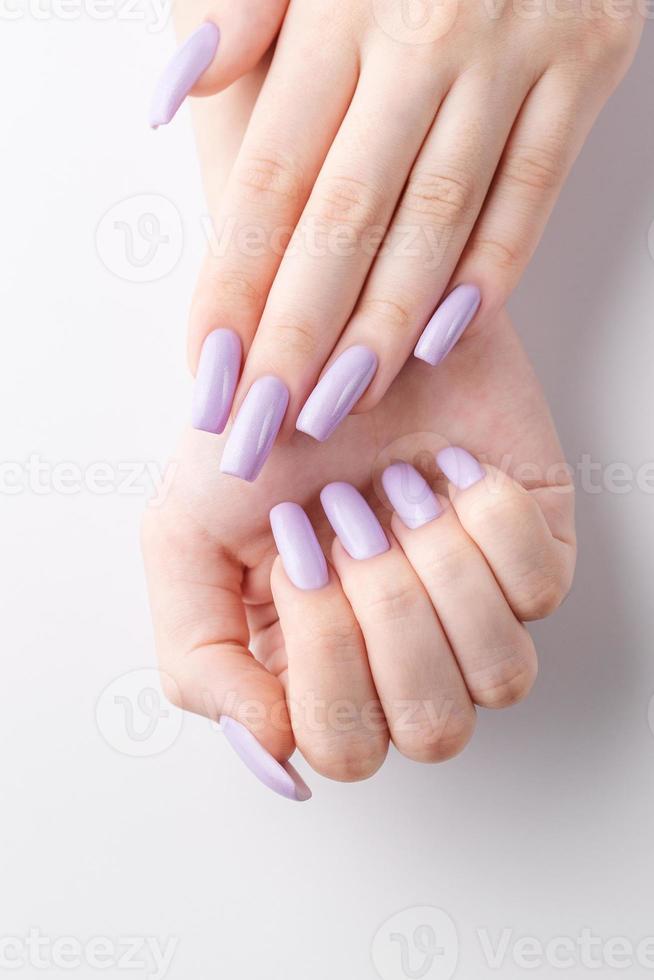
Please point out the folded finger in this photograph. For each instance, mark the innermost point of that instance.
(425, 700)
(493, 649)
(335, 712)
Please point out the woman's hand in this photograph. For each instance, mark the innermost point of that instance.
(417, 620)
(440, 131)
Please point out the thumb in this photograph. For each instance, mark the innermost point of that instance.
(202, 637)
(221, 41)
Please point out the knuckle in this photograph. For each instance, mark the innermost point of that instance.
(270, 174)
(536, 169)
(503, 254)
(505, 679)
(442, 196)
(391, 316)
(295, 336)
(393, 601)
(231, 287)
(346, 201)
(346, 759)
(449, 567)
(540, 593)
(435, 739)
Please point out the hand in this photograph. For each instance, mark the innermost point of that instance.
(402, 641)
(450, 139)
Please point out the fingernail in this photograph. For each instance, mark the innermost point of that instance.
(298, 546)
(215, 381)
(255, 428)
(353, 521)
(410, 494)
(459, 467)
(280, 777)
(447, 324)
(189, 62)
(337, 392)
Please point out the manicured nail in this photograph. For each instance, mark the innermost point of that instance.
(280, 777)
(255, 428)
(410, 494)
(298, 546)
(215, 382)
(447, 324)
(459, 467)
(337, 392)
(189, 62)
(353, 521)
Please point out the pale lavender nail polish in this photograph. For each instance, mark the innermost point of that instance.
(280, 777)
(215, 381)
(353, 521)
(410, 494)
(447, 324)
(189, 62)
(298, 546)
(255, 428)
(337, 392)
(460, 467)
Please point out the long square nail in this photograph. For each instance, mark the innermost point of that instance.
(280, 777)
(353, 521)
(215, 381)
(461, 469)
(186, 66)
(411, 496)
(447, 324)
(337, 392)
(300, 550)
(255, 428)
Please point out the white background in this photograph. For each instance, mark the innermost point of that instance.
(543, 827)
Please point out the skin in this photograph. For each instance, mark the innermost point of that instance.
(435, 623)
(448, 137)
(448, 597)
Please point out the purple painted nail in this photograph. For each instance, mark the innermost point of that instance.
(189, 62)
(410, 495)
(460, 467)
(298, 546)
(337, 392)
(255, 428)
(353, 521)
(447, 324)
(215, 382)
(280, 777)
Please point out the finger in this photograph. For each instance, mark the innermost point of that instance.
(548, 134)
(222, 41)
(333, 247)
(337, 719)
(533, 567)
(493, 649)
(427, 707)
(201, 637)
(439, 206)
